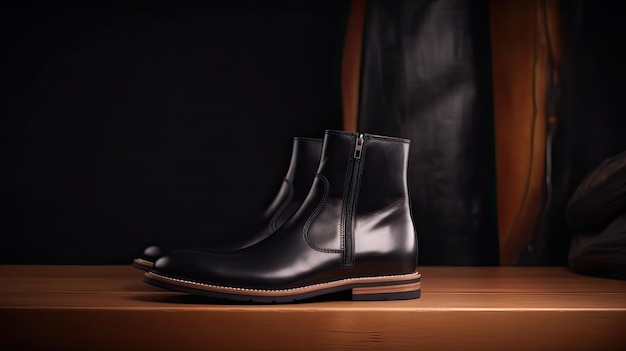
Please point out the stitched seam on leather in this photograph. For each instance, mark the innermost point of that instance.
(389, 139)
(339, 132)
(356, 279)
(281, 209)
(372, 136)
(313, 216)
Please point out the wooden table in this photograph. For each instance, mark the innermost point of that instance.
(462, 308)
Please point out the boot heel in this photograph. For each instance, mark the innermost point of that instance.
(387, 292)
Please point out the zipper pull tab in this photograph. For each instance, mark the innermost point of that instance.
(358, 147)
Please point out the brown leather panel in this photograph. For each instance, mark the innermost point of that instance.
(351, 65)
(520, 63)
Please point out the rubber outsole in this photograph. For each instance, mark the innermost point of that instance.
(379, 288)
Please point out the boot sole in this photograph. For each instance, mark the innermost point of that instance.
(380, 288)
(142, 264)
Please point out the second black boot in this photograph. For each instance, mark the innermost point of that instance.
(354, 232)
(305, 157)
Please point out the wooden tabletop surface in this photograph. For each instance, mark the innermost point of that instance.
(486, 308)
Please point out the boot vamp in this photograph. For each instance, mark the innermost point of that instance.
(282, 261)
(271, 264)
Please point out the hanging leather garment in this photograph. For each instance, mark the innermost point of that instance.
(426, 76)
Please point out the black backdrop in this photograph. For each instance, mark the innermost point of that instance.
(592, 127)
(123, 126)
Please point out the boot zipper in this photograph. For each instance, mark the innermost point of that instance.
(358, 147)
(352, 202)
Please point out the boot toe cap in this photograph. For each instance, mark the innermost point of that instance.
(152, 253)
(189, 265)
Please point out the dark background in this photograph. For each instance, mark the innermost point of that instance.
(126, 125)
(592, 126)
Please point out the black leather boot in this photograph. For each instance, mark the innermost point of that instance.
(353, 232)
(305, 157)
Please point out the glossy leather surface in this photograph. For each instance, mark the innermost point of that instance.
(310, 247)
(305, 158)
(426, 76)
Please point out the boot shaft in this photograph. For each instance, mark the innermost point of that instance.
(376, 164)
(364, 206)
(305, 158)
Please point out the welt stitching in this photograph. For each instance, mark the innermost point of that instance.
(316, 212)
(414, 278)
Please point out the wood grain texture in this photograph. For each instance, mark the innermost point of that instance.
(464, 308)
